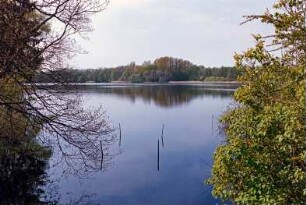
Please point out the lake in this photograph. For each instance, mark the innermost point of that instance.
(183, 118)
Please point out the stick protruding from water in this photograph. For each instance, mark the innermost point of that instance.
(157, 155)
(162, 136)
(102, 155)
(119, 135)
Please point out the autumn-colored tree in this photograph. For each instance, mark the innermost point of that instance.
(263, 158)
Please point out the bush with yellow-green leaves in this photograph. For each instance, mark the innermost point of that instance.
(263, 160)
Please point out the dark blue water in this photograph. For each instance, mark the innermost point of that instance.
(189, 115)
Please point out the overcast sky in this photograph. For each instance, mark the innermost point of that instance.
(204, 32)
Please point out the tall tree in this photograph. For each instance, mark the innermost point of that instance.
(38, 37)
(263, 159)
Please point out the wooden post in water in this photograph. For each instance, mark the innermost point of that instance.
(102, 155)
(162, 136)
(157, 155)
(119, 135)
(212, 122)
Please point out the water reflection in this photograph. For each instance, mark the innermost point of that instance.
(163, 95)
(187, 136)
(22, 176)
(186, 147)
(26, 150)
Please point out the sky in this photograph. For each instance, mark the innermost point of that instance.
(204, 32)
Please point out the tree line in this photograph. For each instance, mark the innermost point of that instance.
(161, 70)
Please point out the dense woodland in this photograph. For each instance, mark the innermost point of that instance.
(163, 69)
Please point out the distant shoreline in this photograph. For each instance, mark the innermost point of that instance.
(169, 83)
(203, 82)
(177, 82)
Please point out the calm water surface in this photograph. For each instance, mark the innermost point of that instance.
(189, 115)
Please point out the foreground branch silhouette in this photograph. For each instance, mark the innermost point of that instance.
(38, 37)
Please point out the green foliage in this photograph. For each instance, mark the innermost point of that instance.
(23, 49)
(136, 78)
(18, 131)
(263, 159)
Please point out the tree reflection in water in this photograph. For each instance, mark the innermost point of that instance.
(24, 181)
(24, 156)
(163, 95)
(22, 175)
(25, 159)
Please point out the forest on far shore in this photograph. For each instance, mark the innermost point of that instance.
(163, 69)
